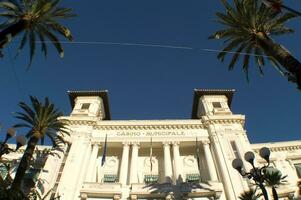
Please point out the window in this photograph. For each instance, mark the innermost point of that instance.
(192, 178)
(216, 105)
(110, 178)
(298, 169)
(85, 106)
(148, 179)
(234, 148)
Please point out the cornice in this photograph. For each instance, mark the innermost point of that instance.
(282, 148)
(239, 120)
(204, 123)
(81, 122)
(149, 127)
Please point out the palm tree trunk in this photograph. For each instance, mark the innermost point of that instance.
(289, 62)
(11, 31)
(24, 164)
(264, 191)
(275, 195)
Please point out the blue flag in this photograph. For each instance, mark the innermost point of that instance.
(104, 152)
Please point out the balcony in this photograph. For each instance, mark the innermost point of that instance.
(185, 190)
(109, 190)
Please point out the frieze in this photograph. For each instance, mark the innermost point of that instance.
(223, 121)
(81, 122)
(148, 127)
(281, 148)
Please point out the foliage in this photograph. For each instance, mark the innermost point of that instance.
(244, 23)
(42, 120)
(5, 183)
(249, 195)
(38, 20)
(35, 195)
(274, 178)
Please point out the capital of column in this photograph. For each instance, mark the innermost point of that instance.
(135, 144)
(126, 144)
(175, 143)
(94, 144)
(166, 143)
(205, 142)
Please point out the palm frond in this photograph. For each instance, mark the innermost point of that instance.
(42, 120)
(242, 23)
(42, 19)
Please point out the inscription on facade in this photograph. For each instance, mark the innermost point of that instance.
(150, 133)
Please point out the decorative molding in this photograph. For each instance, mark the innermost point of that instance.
(190, 161)
(205, 142)
(166, 143)
(112, 161)
(147, 162)
(208, 122)
(135, 144)
(126, 144)
(81, 122)
(175, 143)
(149, 127)
(282, 148)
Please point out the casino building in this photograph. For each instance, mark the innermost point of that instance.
(158, 159)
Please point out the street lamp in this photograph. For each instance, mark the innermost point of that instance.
(20, 140)
(256, 173)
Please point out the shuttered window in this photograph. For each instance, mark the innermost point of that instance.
(192, 178)
(151, 179)
(110, 178)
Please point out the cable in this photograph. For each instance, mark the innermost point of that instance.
(152, 45)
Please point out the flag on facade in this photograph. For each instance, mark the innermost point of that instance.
(197, 152)
(151, 154)
(104, 152)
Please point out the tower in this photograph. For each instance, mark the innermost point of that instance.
(226, 134)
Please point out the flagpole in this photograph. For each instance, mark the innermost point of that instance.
(197, 152)
(151, 155)
(104, 153)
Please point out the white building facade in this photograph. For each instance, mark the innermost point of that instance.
(160, 159)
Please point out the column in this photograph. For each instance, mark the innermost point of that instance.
(134, 162)
(221, 163)
(91, 175)
(209, 161)
(177, 161)
(124, 163)
(167, 162)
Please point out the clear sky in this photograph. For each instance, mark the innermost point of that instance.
(152, 82)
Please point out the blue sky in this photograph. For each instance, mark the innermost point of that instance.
(151, 82)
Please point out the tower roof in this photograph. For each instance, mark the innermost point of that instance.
(201, 92)
(103, 94)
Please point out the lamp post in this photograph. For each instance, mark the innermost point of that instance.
(20, 141)
(256, 173)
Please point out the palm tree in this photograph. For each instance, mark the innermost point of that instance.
(37, 19)
(42, 120)
(249, 195)
(273, 178)
(248, 29)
